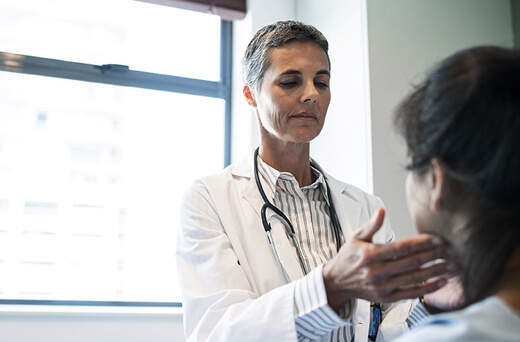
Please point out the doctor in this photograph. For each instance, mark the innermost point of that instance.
(317, 275)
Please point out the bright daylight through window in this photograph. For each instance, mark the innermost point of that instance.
(109, 110)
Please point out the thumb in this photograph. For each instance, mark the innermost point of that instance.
(366, 232)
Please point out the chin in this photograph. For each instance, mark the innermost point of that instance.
(305, 138)
(424, 227)
(302, 141)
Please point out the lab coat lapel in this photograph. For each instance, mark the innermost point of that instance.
(347, 209)
(251, 195)
(243, 171)
(349, 214)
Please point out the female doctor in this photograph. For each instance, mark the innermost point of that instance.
(313, 276)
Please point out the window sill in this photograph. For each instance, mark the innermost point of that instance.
(72, 310)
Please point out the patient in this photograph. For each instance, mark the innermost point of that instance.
(462, 130)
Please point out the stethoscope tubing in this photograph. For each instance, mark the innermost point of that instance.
(287, 223)
(290, 231)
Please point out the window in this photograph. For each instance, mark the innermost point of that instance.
(110, 109)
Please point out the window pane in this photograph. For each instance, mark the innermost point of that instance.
(144, 36)
(91, 180)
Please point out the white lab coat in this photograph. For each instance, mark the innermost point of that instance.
(232, 288)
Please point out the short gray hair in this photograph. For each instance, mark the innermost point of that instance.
(255, 61)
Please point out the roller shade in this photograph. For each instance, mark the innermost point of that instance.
(227, 9)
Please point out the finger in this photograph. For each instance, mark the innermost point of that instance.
(409, 246)
(414, 291)
(367, 231)
(421, 276)
(392, 275)
(415, 261)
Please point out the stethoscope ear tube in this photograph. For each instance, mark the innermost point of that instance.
(300, 255)
(287, 223)
(288, 229)
(280, 267)
(265, 223)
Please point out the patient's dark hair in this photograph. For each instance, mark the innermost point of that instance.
(467, 115)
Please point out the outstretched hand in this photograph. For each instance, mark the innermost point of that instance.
(385, 272)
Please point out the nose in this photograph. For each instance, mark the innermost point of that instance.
(310, 93)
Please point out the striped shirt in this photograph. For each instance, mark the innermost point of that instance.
(308, 210)
(418, 315)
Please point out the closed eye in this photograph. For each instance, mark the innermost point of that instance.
(288, 84)
(321, 84)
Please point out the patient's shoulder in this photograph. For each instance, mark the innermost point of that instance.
(488, 320)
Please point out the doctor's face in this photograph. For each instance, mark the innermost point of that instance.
(293, 97)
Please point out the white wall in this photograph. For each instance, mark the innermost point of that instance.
(344, 146)
(405, 38)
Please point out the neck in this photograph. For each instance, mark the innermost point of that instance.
(509, 288)
(292, 158)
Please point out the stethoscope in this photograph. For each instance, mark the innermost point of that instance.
(287, 223)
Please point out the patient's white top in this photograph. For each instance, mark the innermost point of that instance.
(488, 320)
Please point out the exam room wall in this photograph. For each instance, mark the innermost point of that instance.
(405, 38)
(378, 49)
(515, 15)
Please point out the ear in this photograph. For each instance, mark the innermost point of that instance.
(249, 96)
(437, 183)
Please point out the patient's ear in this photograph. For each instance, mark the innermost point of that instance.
(437, 183)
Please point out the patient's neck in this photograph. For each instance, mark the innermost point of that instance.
(509, 289)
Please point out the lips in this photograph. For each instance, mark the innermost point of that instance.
(304, 116)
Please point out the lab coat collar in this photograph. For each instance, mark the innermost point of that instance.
(251, 195)
(244, 169)
(348, 210)
(274, 176)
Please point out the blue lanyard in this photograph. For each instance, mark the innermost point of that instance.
(376, 317)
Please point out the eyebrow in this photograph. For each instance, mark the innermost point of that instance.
(297, 72)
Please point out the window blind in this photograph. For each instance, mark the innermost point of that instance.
(227, 9)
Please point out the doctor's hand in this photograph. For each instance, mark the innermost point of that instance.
(447, 298)
(385, 272)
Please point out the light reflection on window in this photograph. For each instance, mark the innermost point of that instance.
(91, 185)
(145, 37)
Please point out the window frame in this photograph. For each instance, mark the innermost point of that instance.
(122, 75)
